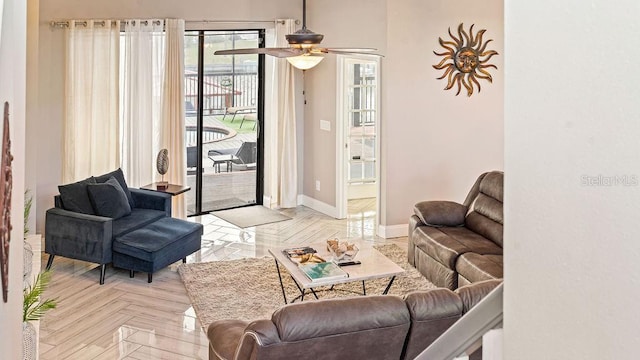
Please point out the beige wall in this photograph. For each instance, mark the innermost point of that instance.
(433, 144)
(436, 143)
(571, 217)
(186, 9)
(32, 111)
(45, 130)
(357, 23)
(12, 89)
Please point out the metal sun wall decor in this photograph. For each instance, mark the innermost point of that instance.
(465, 60)
(6, 181)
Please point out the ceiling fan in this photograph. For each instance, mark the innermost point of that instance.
(304, 51)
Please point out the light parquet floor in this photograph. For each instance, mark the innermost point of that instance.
(131, 319)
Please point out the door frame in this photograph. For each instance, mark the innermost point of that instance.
(259, 122)
(341, 134)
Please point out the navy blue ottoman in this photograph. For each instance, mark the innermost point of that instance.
(156, 245)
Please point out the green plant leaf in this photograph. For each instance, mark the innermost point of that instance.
(28, 202)
(32, 307)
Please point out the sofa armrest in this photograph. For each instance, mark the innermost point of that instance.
(258, 333)
(154, 200)
(434, 304)
(472, 294)
(78, 236)
(432, 313)
(414, 222)
(224, 338)
(440, 213)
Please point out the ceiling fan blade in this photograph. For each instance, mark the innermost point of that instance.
(352, 49)
(346, 51)
(277, 52)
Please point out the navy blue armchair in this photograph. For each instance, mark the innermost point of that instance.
(90, 237)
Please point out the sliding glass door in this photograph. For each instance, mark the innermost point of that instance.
(223, 104)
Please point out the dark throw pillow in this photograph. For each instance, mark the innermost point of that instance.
(120, 177)
(75, 197)
(108, 199)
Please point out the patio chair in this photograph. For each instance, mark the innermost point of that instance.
(246, 156)
(249, 117)
(192, 160)
(237, 110)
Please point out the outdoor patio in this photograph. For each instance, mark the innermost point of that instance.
(224, 189)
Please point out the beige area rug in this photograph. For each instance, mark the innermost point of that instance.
(249, 289)
(250, 216)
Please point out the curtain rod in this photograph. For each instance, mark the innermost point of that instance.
(65, 23)
(238, 21)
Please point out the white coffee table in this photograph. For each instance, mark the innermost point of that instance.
(373, 265)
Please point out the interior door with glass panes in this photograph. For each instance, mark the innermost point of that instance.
(361, 85)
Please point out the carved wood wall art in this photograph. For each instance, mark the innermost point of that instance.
(6, 183)
(465, 60)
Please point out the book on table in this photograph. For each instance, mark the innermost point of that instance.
(327, 270)
(297, 251)
(303, 255)
(312, 265)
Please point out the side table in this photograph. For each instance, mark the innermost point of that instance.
(171, 189)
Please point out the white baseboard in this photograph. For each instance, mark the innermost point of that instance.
(266, 202)
(393, 231)
(318, 206)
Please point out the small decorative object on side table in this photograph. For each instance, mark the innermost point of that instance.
(162, 164)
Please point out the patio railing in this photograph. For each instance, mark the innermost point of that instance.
(221, 91)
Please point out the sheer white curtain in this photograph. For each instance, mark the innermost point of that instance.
(141, 78)
(130, 105)
(172, 120)
(91, 140)
(284, 130)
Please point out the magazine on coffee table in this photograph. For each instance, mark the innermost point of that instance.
(303, 255)
(323, 271)
(297, 251)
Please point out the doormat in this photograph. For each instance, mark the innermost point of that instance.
(250, 216)
(219, 205)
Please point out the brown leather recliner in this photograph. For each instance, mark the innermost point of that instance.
(364, 327)
(455, 244)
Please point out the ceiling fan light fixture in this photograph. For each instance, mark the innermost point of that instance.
(304, 36)
(304, 62)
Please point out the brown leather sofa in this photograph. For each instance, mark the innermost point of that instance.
(367, 327)
(455, 244)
